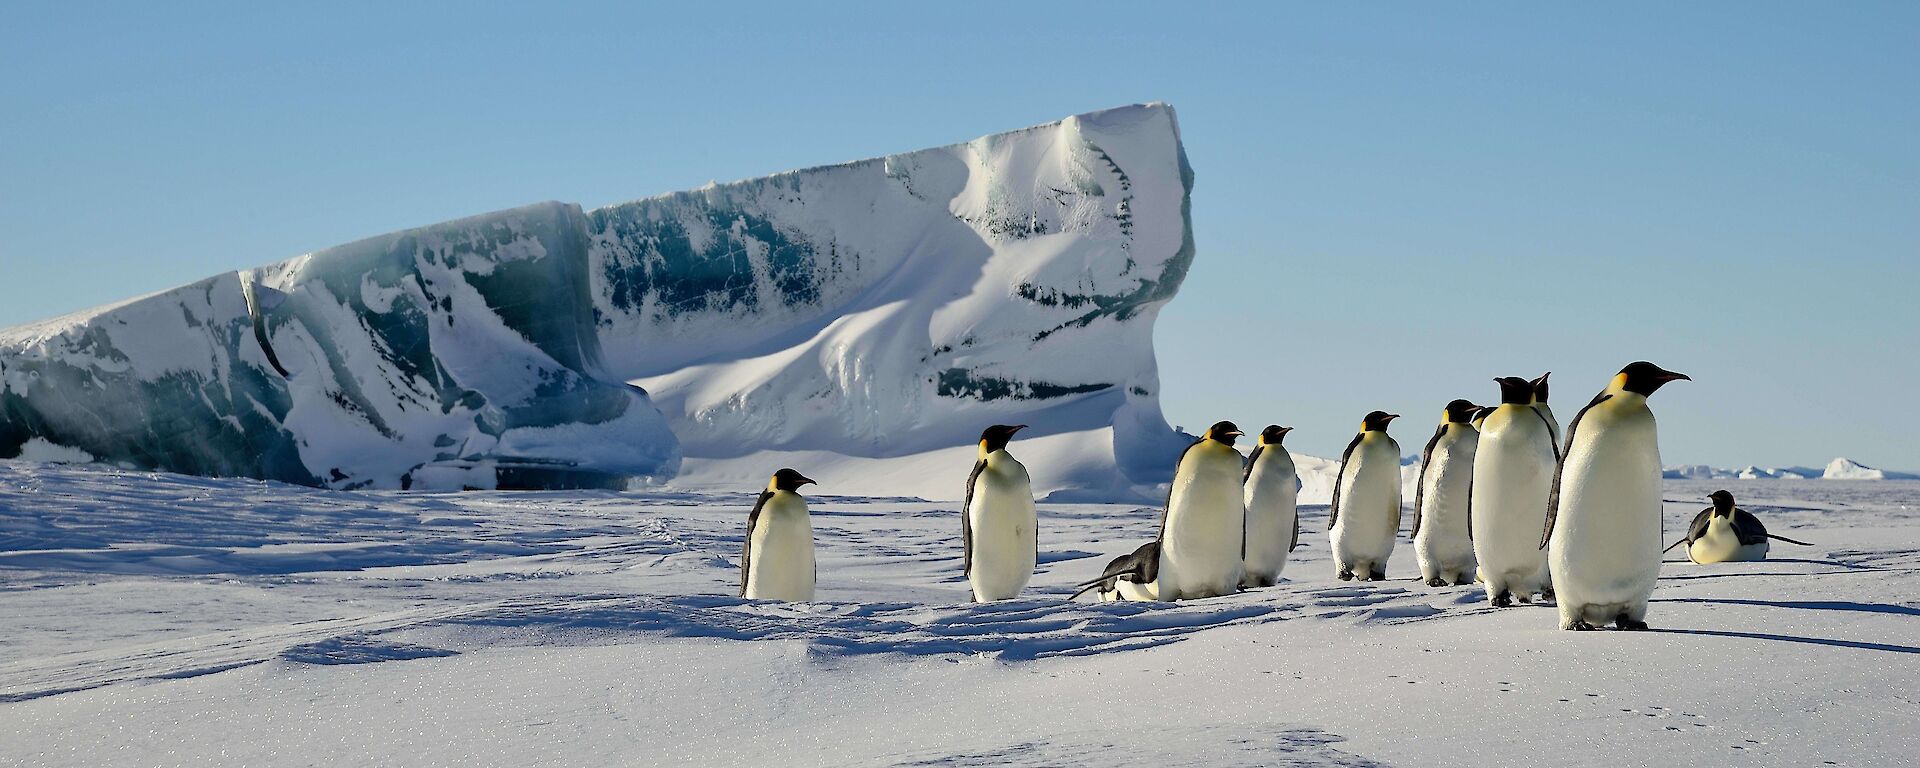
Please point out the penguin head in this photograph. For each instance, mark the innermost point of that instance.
(1514, 390)
(996, 437)
(1722, 503)
(1273, 434)
(1223, 431)
(1540, 387)
(1460, 412)
(787, 480)
(1377, 421)
(1642, 378)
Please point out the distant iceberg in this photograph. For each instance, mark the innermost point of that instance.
(1838, 469)
(865, 319)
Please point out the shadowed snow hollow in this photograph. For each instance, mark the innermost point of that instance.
(863, 321)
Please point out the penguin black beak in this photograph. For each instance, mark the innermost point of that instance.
(1235, 433)
(804, 480)
(1016, 428)
(1392, 416)
(1674, 376)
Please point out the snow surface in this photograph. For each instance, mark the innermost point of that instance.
(158, 620)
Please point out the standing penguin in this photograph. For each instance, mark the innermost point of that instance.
(776, 561)
(1724, 533)
(1539, 403)
(1273, 526)
(1365, 514)
(1442, 526)
(1603, 520)
(998, 525)
(1480, 417)
(1203, 533)
(1512, 477)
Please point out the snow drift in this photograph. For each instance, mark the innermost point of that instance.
(863, 321)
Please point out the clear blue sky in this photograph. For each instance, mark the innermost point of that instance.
(1394, 203)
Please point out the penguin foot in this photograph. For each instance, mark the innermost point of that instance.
(1503, 600)
(1622, 622)
(1527, 598)
(1546, 593)
(1436, 582)
(1463, 582)
(1346, 574)
(1377, 576)
(1580, 625)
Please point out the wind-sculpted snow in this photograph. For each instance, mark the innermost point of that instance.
(881, 309)
(892, 307)
(158, 619)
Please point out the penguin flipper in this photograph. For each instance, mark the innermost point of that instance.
(1674, 544)
(966, 518)
(1791, 541)
(746, 546)
(1550, 436)
(1748, 527)
(1560, 466)
(1420, 483)
(1252, 459)
(1333, 509)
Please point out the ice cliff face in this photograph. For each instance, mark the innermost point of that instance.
(871, 316)
(459, 354)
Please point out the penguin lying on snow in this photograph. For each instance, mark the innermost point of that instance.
(1128, 577)
(776, 561)
(1725, 533)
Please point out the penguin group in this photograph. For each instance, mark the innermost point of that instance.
(1499, 499)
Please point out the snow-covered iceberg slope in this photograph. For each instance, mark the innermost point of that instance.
(463, 353)
(862, 322)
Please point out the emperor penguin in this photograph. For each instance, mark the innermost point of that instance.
(1540, 404)
(1513, 469)
(1272, 487)
(1603, 518)
(999, 526)
(1725, 533)
(1365, 515)
(1131, 576)
(1442, 529)
(1203, 533)
(776, 562)
(1480, 417)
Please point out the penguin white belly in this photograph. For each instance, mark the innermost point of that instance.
(1512, 479)
(1127, 590)
(1005, 530)
(783, 565)
(1363, 537)
(1605, 551)
(1271, 495)
(1200, 548)
(1443, 544)
(1721, 544)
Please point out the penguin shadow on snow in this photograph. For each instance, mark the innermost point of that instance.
(1810, 605)
(1860, 644)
